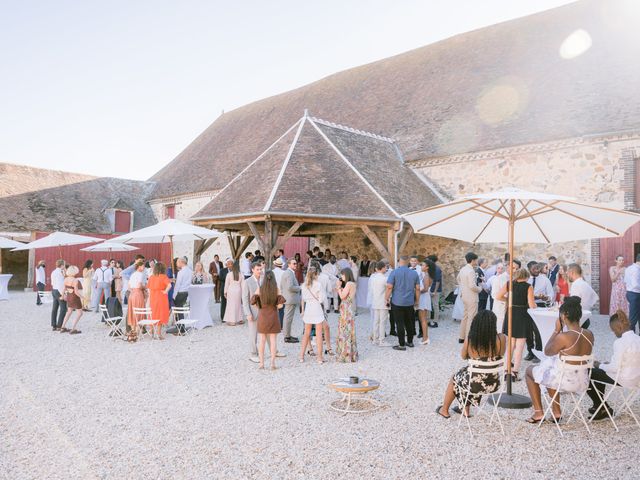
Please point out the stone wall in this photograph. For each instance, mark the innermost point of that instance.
(451, 252)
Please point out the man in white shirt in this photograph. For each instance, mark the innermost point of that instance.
(543, 292)
(181, 288)
(57, 289)
(41, 280)
(627, 342)
(332, 271)
(580, 288)
(343, 262)
(245, 265)
(102, 278)
(378, 306)
(632, 283)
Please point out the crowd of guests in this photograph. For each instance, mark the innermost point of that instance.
(270, 300)
(484, 328)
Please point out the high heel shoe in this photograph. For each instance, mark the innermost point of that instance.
(329, 352)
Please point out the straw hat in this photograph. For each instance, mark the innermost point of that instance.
(277, 262)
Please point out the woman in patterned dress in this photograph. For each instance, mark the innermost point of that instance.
(346, 347)
(484, 344)
(618, 289)
(87, 275)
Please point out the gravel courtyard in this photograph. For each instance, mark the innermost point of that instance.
(88, 407)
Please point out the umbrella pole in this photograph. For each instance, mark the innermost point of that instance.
(509, 399)
(171, 259)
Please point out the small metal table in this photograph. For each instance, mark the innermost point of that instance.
(354, 398)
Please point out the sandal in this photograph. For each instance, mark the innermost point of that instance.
(534, 421)
(329, 352)
(320, 361)
(63, 330)
(438, 408)
(74, 332)
(459, 411)
(311, 353)
(301, 360)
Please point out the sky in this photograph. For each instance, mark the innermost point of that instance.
(119, 88)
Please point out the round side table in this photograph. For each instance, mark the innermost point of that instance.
(354, 396)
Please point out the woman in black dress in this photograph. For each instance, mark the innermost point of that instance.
(482, 343)
(522, 300)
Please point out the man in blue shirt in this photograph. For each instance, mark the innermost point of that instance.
(403, 291)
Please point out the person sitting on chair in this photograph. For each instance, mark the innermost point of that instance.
(626, 341)
(575, 341)
(482, 343)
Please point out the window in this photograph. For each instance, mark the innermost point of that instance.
(169, 211)
(123, 221)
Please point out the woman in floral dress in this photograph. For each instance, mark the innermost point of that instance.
(346, 347)
(618, 289)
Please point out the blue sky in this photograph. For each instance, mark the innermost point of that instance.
(120, 88)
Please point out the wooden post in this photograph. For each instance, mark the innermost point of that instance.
(391, 246)
(292, 231)
(268, 242)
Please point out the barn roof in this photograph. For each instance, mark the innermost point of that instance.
(321, 169)
(36, 199)
(508, 84)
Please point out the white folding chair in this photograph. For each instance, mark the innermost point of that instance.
(45, 297)
(628, 394)
(147, 323)
(186, 321)
(479, 367)
(582, 363)
(112, 322)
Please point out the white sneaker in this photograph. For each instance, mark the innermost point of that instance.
(280, 355)
(384, 344)
(254, 359)
(426, 342)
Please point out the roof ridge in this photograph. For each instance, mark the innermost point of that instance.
(276, 184)
(352, 166)
(258, 157)
(352, 130)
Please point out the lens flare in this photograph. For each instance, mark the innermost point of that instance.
(575, 44)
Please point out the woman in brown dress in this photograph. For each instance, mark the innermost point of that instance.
(73, 297)
(268, 300)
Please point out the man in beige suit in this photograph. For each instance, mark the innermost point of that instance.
(290, 289)
(469, 289)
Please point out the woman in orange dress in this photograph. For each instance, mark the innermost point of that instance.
(159, 286)
(137, 288)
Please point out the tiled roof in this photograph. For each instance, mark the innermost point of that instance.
(320, 169)
(495, 87)
(35, 199)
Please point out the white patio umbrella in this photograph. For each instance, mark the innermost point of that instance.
(512, 215)
(110, 247)
(167, 231)
(8, 243)
(58, 239)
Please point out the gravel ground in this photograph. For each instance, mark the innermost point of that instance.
(89, 407)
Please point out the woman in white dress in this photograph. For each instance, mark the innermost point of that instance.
(427, 273)
(574, 341)
(233, 293)
(313, 297)
(499, 280)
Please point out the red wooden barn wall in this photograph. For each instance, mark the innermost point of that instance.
(609, 249)
(73, 256)
(296, 245)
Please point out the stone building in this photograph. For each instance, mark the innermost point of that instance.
(548, 102)
(35, 202)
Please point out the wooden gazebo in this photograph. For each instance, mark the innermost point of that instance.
(319, 178)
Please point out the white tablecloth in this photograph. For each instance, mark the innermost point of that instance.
(362, 291)
(4, 286)
(199, 298)
(545, 319)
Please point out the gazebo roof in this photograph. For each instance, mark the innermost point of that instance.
(318, 169)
